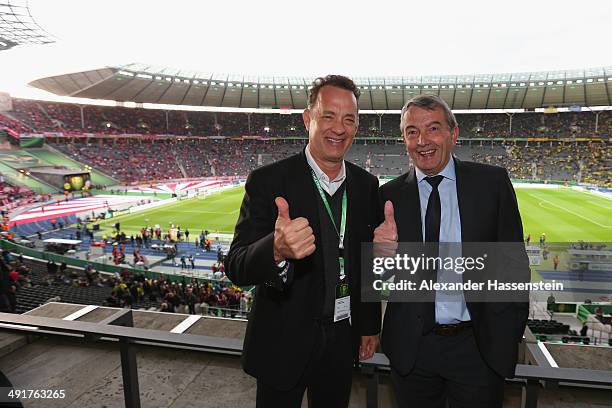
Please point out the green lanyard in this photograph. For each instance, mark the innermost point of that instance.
(331, 217)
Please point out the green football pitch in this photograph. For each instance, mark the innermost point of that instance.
(564, 215)
(217, 212)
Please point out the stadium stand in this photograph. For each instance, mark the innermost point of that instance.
(32, 114)
(132, 160)
(33, 283)
(538, 326)
(140, 160)
(12, 124)
(128, 159)
(52, 116)
(12, 196)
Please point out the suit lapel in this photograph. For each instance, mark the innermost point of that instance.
(408, 210)
(353, 210)
(304, 194)
(466, 193)
(303, 203)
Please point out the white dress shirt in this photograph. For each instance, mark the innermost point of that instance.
(450, 306)
(330, 187)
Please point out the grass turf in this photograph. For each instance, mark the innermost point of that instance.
(564, 215)
(217, 212)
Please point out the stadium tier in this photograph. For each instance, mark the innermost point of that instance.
(12, 196)
(41, 169)
(133, 160)
(38, 283)
(567, 147)
(63, 117)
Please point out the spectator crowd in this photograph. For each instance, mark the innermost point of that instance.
(177, 155)
(45, 116)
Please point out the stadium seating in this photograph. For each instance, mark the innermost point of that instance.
(73, 287)
(133, 160)
(53, 116)
(12, 196)
(12, 124)
(33, 115)
(547, 327)
(129, 159)
(136, 159)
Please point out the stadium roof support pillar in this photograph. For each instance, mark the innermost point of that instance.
(82, 108)
(510, 115)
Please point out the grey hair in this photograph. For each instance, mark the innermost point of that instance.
(430, 102)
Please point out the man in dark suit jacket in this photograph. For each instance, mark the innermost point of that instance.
(298, 238)
(458, 351)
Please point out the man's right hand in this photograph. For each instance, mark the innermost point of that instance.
(385, 235)
(293, 239)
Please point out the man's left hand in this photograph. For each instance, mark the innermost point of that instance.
(368, 347)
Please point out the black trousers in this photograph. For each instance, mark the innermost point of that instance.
(327, 378)
(449, 369)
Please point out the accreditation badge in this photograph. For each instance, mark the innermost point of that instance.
(342, 306)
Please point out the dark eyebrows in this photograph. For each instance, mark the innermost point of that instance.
(435, 122)
(348, 115)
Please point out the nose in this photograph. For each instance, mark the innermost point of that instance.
(338, 127)
(421, 141)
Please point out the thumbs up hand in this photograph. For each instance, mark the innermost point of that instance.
(293, 239)
(387, 230)
(385, 235)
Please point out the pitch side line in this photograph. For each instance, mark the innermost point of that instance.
(569, 211)
(607, 207)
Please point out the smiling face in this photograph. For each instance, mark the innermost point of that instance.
(428, 138)
(331, 122)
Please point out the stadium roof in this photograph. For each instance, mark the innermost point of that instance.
(142, 83)
(17, 27)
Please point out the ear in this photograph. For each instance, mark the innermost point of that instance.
(455, 135)
(306, 118)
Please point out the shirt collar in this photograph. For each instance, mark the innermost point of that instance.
(320, 173)
(448, 171)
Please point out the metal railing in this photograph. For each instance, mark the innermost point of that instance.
(118, 327)
(531, 375)
(101, 266)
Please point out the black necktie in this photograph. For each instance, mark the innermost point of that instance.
(432, 234)
(434, 209)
